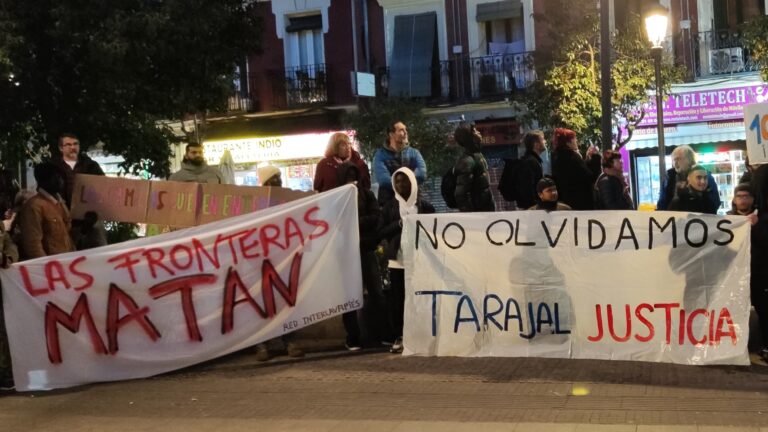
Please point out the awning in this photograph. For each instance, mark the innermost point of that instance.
(499, 10)
(688, 134)
(410, 71)
(302, 23)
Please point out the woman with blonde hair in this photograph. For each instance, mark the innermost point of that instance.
(339, 151)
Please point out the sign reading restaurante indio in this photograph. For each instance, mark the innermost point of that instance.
(707, 105)
(284, 147)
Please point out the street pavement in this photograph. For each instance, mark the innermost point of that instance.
(335, 390)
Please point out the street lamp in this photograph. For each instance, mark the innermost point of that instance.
(656, 26)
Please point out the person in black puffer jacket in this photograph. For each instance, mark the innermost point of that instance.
(473, 186)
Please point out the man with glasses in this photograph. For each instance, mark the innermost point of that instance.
(88, 232)
(73, 162)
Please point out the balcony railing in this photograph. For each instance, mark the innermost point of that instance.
(299, 86)
(721, 52)
(492, 77)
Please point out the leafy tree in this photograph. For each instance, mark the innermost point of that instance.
(756, 40)
(113, 71)
(429, 135)
(568, 91)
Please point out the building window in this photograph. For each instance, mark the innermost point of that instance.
(304, 41)
(504, 28)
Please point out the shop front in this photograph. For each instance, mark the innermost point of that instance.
(295, 155)
(708, 118)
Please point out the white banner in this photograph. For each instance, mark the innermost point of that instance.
(153, 305)
(661, 286)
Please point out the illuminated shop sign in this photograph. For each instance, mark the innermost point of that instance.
(285, 147)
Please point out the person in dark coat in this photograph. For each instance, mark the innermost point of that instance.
(683, 158)
(694, 197)
(88, 232)
(368, 212)
(473, 185)
(73, 162)
(529, 170)
(339, 150)
(611, 192)
(759, 255)
(574, 177)
(407, 201)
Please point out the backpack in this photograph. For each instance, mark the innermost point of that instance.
(508, 180)
(448, 188)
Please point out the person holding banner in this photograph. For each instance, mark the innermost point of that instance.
(44, 221)
(407, 201)
(759, 255)
(194, 168)
(547, 191)
(269, 175)
(9, 254)
(575, 178)
(368, 211)
(339, 151)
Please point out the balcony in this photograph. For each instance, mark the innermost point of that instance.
(299, 86)
(721, 52)
(474, 79)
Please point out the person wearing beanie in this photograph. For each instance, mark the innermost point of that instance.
(44, 220)
(547, 191)
(269, 175)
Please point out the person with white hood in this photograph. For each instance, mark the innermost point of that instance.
(407, 201)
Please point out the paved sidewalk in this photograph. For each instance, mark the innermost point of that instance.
(378, 391)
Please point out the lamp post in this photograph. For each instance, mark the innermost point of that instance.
(656, 26)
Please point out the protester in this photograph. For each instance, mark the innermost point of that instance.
(759, 256)
(72, 162)
(194, 168)
(748, 169)
(407, 201)
(339, 151)
(683, 158)
(368, 212)
(396, 154)
(529, 170)
(44, 220)
(269, 175)
(473, 185)
(88, 232)
(575, 178)
(11, 221)
(695, 197)
(743, 202)
(8, 255)
(611, 191)
(326, 178)
(546, 189)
